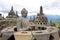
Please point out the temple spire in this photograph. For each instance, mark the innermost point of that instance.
(41, 10)
(16, 13)
(12, 8)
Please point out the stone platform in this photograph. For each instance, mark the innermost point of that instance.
(51, 33)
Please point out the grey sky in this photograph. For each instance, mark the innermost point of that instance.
(49, 6)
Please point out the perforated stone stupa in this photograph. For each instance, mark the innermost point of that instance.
(41, 18)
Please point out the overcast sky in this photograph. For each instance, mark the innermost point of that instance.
(33, 6)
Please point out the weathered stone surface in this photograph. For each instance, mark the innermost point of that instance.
(23, 35)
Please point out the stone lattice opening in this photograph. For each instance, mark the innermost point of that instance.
(51, 37)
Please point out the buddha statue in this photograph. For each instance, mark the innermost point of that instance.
(23, 23)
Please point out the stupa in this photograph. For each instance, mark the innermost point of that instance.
(41, 18)
(12, 14)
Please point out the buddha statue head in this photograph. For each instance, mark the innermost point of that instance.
(24, 13)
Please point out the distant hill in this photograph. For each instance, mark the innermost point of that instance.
(54, 18)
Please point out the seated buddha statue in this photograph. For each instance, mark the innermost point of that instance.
(23, 23)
